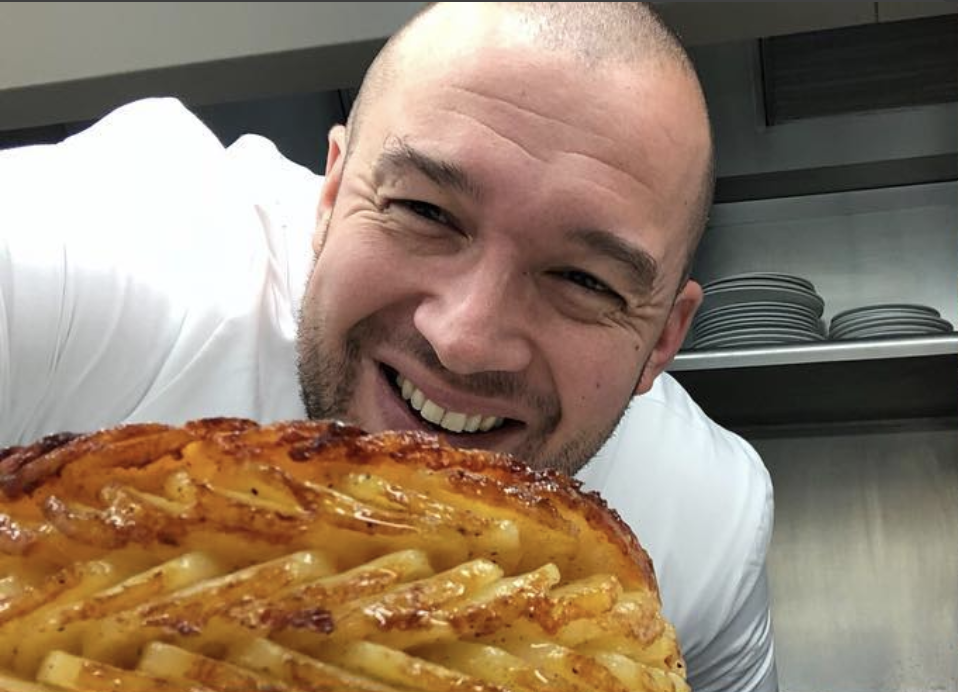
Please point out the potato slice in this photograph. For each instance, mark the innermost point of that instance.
(495, 665)
(84, 675)
(302, 672)
(118, 638)
(581, 672)
(64, 627)
(163, 660)
(405, 616)
(9, 683)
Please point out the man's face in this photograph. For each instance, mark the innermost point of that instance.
(501, 250)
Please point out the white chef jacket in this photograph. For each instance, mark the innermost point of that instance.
(147, 273)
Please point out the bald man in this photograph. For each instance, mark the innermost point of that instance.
(545, 238)
(501, 254)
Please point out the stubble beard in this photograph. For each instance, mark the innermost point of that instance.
(326, 381)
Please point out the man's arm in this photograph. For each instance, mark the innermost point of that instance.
(746, 649)
(101, 244)
(742, 656)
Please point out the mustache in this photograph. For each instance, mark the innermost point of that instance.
(487, 384)
(490, 384)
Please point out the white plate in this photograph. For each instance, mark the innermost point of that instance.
(734, 295)
(761, 277)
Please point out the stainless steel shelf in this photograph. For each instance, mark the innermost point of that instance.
(828, 352)
(894, 379)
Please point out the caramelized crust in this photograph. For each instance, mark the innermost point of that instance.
(309, 555)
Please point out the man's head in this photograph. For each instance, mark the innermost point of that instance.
(506, 226)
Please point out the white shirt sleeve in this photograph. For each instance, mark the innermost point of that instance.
(700, 501)
(136, 282)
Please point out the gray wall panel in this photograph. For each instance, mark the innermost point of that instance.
(864, 560)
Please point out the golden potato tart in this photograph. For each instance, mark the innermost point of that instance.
(224, 555)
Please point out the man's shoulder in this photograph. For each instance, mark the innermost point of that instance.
(157, 288)
(666, 431)
(692, 438)
(160, 127)
(700, 500)
(670, 469)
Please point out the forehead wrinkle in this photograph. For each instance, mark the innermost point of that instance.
(528, 152)
(613, 169)
(549, 119)
(602, 142)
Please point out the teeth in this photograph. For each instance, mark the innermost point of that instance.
(453, 421)
(431, 412)
(487, 423)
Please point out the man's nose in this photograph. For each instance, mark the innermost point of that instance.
(474, 322)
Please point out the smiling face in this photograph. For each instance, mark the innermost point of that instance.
(500, 253)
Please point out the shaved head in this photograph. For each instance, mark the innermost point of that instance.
(594, 34)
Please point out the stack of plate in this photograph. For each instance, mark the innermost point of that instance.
(887, 321)
(759, 309)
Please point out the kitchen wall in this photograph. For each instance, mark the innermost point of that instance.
(887, 245)
(731, 75)
(863, 565)
(297, 124)
(63, 62)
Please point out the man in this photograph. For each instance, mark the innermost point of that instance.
(505, 232)
(546, 243)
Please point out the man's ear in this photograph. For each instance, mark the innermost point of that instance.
(335, 160)
(672, 336)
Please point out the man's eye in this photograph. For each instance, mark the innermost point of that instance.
(586, 281)
(430, 212)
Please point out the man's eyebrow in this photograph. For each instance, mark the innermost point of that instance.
(640, 263)
(399, 156)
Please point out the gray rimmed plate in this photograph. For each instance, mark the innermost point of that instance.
(931, 324)
(748, 342)
(911, 328)
(887, 332)
(767, 305)
(780, 335)
(745, 323)
(748, 278)
(737, 295)
(757, 315)
(891, 308)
